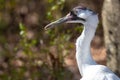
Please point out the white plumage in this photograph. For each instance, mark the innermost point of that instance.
(88, 68)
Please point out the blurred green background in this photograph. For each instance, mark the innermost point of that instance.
(28, 52)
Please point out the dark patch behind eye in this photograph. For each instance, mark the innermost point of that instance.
(75, 17)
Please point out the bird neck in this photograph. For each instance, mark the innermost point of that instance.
(83, 53)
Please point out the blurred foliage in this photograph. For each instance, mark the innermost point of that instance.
(27, 51)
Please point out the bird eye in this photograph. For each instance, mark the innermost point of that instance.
(76, 11)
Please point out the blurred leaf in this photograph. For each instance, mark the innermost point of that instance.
(22, 32)
(21, 26)
(54, 7)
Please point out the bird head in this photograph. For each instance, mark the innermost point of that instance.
(78, 14)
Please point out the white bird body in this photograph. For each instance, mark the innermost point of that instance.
(88, 68)
(98, 72)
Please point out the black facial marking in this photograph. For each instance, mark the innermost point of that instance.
(75, 17)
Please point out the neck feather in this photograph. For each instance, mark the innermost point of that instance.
(83, 53)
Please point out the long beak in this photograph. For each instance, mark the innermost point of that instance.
(67, 19)
(59, 21)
